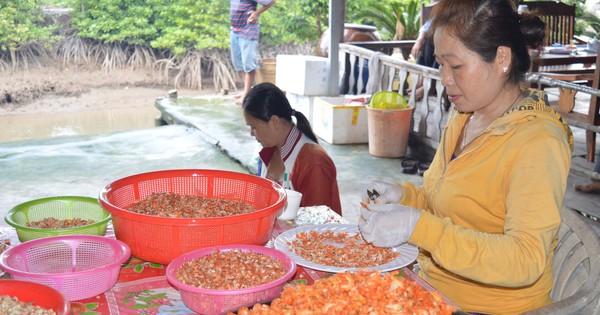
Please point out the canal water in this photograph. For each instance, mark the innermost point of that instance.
(81, 154)
(87, 122)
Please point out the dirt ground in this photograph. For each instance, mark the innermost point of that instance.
(51, 89)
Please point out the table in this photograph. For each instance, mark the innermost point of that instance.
(143, 286)
(580, 62)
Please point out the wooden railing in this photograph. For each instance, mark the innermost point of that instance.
(392, 73)
(588, 120)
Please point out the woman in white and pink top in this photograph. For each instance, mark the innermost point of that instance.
(291, 154)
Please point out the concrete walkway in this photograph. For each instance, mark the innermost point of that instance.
(222, 123)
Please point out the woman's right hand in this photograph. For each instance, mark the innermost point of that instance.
(388, 192)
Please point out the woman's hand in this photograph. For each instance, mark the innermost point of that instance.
(387, 225)
(388, 192)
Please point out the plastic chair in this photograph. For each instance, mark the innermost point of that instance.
(576, 269)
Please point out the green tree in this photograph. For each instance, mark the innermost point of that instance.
(22, 33)
(317, 8)
(116, 21)
(590, 25)
(292, 22)
(192, 24)
(396, 19)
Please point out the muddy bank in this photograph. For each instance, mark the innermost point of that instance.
(49, 89)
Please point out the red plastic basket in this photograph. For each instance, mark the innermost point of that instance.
(207, 301)
(160, 240)
(36, 294)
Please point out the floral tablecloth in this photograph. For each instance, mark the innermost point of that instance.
(143, 288)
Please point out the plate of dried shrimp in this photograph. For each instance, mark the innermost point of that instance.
(341, 248)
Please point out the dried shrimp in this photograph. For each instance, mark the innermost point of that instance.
(54, 223)
(363, 292)
(340, 249)
(230, 270)
(179, 206)
(12, 306)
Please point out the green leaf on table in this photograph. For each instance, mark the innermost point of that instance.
(140, 306)
(139, 268)
(301, 281)
(91, 306)
(148, 299)
(401, 273)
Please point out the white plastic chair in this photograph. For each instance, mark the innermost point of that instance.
(576, 269)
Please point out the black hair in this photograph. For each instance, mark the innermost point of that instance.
(483, 26)
(534, 30)
(266, 99)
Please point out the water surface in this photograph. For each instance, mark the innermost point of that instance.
(83, 165)
(48, 125)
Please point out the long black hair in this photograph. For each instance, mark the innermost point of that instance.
(266, 99)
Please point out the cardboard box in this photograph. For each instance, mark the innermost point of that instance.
(338, 123)
(303, 104)
(302, 75)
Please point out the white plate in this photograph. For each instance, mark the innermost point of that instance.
(408, 253)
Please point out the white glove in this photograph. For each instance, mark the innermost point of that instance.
(388, 192)
(387, 225)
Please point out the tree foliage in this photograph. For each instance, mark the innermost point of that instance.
(115, 21)
(192, 24)
(590, 23)
(23, 35)
(396, 19)
(188, 32)
(178, 25)
(21, 25)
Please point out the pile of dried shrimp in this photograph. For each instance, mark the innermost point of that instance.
(230, 270)
(12, 306)
(340, 249)
(179, 206)
(3, 248)
(54, 223)
(363, 292)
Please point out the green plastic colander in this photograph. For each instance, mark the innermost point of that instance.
(62, 208)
